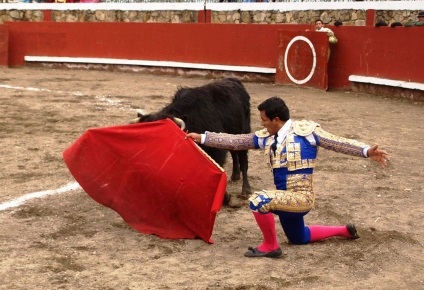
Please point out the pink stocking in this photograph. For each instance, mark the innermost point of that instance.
(267, 225)
(323, 232)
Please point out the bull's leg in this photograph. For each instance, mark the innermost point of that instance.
(236, 167)
(227, 198)
(244, 164)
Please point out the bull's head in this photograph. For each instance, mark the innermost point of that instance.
(141, 118)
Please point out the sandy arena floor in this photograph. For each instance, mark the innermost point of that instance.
(68, 241)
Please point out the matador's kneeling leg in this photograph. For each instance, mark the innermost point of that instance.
(269, 247)
(323, 232)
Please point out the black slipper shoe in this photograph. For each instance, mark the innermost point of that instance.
(352, 231)
(254, 252)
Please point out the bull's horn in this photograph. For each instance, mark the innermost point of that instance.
(140, 114)
(135, 121)
(180, 123)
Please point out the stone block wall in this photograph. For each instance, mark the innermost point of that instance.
(402, 16)
(21, 15)
(348, 17)
(125, 16)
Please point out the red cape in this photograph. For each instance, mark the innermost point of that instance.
(156, 180)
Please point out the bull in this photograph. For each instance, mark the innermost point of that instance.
(220, 106)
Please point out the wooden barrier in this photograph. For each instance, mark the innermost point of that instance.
(394, 53)
(4, 45)
(383, 52)
(303, 59)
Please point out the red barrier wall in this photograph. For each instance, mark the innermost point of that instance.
(303, 59)
(225, 44)
(4, 45)
(385, 52)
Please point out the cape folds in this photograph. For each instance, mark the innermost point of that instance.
(157, 181)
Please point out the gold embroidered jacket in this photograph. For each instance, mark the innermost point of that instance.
(293, 162)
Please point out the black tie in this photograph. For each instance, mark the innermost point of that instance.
(274, 145)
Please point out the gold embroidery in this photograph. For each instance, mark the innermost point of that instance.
(304, 127)
(291, 158)
(279, 160)
(262, 133)
(339, 144)
(229, 141)
(299, 182)
(299, 196)
(302, 164)
(284, 200)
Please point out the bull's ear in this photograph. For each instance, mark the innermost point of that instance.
(140, 113)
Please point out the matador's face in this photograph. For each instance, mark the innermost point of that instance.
(272, 126)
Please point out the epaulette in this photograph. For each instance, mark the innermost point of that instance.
(304, 127)
(262, 133)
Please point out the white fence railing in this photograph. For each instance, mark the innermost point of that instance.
(215, 5)
(192, 1)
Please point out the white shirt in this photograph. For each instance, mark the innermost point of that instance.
(324, 29)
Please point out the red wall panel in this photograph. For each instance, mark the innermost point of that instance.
(225, 44)
(385, 52)
(4, 45)
(303, 59)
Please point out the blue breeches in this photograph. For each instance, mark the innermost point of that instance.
(294, 226)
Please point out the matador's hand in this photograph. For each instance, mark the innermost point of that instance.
(196, 137)
(378, 155)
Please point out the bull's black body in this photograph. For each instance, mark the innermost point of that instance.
(221, 106)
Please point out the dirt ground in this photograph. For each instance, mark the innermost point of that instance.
(68, 241)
